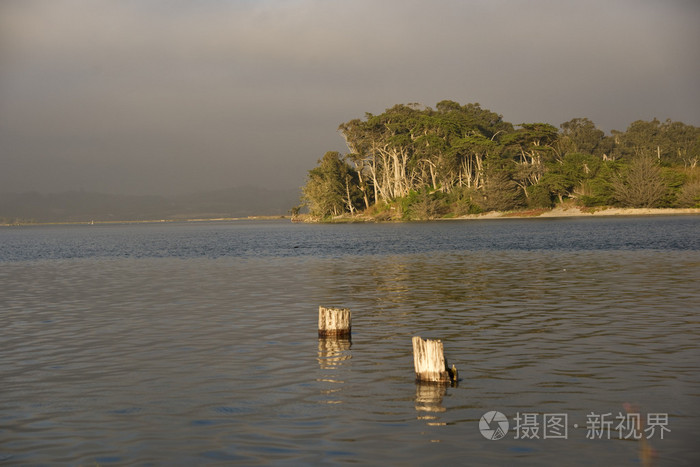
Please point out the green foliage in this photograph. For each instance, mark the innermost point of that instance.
(382, 211)
(419, 163)
(689, 197)
(674, 179)
(332, 187)
(539, 196)
(581, 135)
(640, 185)
(671, 143)
(422, 205)
(501, 193)
(568, 177)
(461, 201)
(557, 183)
(598, 190)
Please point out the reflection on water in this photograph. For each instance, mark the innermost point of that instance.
(332, 352)
(194, 360)
(429, 402)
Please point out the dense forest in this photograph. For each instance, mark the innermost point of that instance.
(415, 162)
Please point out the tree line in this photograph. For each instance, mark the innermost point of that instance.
(416, 162)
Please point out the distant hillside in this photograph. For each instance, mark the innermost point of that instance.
(79, 206)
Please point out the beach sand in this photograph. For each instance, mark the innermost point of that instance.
(574, 211)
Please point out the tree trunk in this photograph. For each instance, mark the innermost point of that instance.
(347, 191)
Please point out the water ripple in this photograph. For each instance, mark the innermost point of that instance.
(199, 360)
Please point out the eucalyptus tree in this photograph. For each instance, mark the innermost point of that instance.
(685, 143)
(473, 135)
(532, 145)
(580, 135)
(409, 147)
(357, 138)
(331, 188)
(643, 139)
(459, 150)
(380, 149)
(571, 175)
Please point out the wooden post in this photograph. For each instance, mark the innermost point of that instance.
(334, 322)
(430, 363)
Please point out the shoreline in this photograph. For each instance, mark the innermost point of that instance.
(150, 221)
(557, 212)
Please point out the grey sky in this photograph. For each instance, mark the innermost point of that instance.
(141, 96)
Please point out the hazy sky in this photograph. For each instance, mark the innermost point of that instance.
(159, 97)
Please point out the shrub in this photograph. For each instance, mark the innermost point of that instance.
(641, 185)
(690, 195)
(539, 197)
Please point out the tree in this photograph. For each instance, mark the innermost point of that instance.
(409, 147)
(500, 193)
(532, 146)
(685, 142)
(331, 188)
(641, 185)
(463, 156)
(580, 135)
(690, 195)
(568, 176)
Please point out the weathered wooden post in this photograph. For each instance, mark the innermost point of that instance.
(430, 363)
(334, 322)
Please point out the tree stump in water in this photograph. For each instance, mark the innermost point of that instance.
(334, 322)
(430, 363)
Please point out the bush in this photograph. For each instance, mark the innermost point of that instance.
(501, 193)
(641, 185)
(539, 197)
(423, 205)
(690, 195)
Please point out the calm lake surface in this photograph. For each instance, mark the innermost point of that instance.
(196, 343)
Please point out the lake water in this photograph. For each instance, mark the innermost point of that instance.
(196, 343)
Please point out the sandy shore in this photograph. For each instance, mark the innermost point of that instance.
(577, 212)
(559, 211)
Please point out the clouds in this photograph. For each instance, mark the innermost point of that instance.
(175, 96)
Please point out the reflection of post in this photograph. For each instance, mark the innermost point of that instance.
(334, 322)
(333, 352)
(646, 452)
(429, 397)
(429, 362)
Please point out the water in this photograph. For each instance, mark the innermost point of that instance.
(195, 343)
